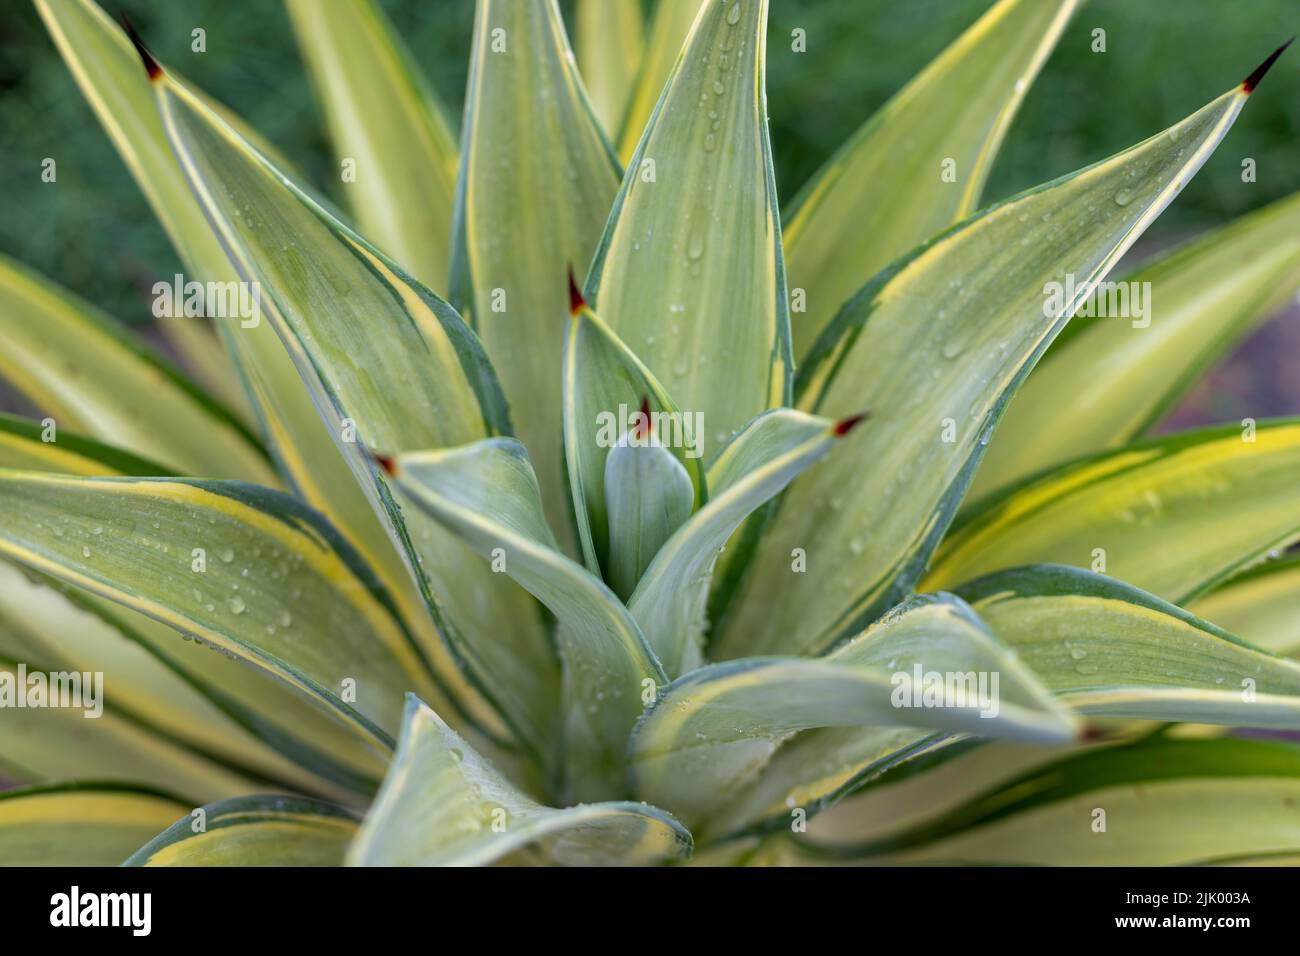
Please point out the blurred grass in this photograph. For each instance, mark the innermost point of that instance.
(93, 232)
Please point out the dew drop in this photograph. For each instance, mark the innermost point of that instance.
(695, 246)
(733, 15)
(236, 604)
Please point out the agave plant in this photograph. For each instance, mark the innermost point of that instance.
(506, 567)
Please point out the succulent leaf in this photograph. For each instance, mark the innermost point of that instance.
(47, 745)
(1173, 515)
(218, 706)
(1261, 605)
(1155, 794)
(22, 447)
(1210, 294)
(444, 805)
(137, 541)
(353, 323)
(649, 496)
(82, 371)
(756, 466)
(537, 180)
(487, 493)
(602, 377)
(232, 715)
(107, 67)
(1111, 650)
(884, 191)
(935, 346)
(388, 123)
(611, 40)
(254, 831)
(689, 272)
(81, 825)
(668, 31)
(1104, 648)
(717, 727)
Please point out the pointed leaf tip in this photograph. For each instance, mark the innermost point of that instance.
(150, 64)
(1249, 83)
(642, 427)
(576, 301)
(1095, 734)
(846, 425)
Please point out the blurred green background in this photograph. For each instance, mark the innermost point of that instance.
(93, 232)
